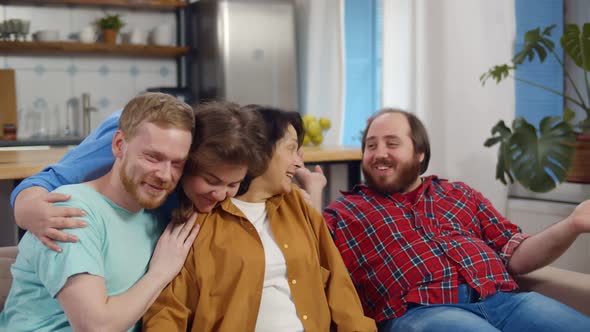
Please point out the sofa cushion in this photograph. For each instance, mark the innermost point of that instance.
(5, 279)
(7, 257)
(569, 287)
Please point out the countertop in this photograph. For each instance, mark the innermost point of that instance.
(56, 141)
(20, 164)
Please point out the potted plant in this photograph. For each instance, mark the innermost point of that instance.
(110, 26)
(540, 158)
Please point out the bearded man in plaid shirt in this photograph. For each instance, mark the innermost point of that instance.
(427, 254)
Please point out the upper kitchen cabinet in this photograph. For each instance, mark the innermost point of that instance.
(53, 47)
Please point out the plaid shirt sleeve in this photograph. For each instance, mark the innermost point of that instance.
(498, 232)
(331, 217)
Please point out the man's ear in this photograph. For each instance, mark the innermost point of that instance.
(118, 145)
(421, 157)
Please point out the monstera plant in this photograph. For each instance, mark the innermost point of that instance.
(540, 157)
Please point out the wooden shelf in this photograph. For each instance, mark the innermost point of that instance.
(74, 48)
(139, 4)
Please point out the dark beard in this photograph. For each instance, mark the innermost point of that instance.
(407, 175)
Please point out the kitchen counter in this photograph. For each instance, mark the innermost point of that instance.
(57, 141)
(20, 164)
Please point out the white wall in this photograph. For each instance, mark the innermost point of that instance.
(454, 42)
(45, 84)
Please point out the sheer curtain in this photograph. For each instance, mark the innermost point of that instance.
(320, 52)
(433, 55)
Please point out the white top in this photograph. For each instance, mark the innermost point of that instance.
(277, 310)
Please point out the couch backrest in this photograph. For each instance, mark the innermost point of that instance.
(7, 257)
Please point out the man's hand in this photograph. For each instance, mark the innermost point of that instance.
(311, 181)
(35, 212)
(312, 184)
(580, 218)
(172, 248)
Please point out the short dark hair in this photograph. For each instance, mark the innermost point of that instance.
(418, 134)
(276, 122)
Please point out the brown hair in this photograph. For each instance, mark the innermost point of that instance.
(224, 134)
(158, 108)
(275, 125)
(418, 134)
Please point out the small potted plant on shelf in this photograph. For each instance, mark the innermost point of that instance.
(539, 159)
(110, 26)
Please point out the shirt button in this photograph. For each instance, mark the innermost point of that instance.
(285, 246)
(293, 281)
(304, 317)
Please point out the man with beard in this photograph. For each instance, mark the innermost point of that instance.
(426, 254)
(108, 279)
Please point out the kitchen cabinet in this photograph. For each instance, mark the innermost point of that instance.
(74, 48)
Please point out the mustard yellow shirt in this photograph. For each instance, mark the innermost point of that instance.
(220, 286)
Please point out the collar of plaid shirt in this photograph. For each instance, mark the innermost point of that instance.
(398, 252)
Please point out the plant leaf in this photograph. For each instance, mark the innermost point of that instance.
(568, 114)
(539, 161)
(535, 42)
(497, 73)
(500, 134)
(576, 44)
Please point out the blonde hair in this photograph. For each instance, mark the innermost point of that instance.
(158, 108)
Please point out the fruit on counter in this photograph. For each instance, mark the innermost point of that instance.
(325, 123)
(314, 129)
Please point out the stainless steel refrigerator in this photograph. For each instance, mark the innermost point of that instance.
(243, 51)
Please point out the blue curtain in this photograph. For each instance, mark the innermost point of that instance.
(533, 103)
(362, 34)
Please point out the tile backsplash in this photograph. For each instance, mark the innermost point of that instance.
(49, 88)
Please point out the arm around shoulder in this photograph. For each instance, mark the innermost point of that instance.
(92, 158)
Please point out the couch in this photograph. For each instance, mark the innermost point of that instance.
(569, 287)
(7, 256)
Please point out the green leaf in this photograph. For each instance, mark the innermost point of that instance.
(535, 42)
(539, 161)
(547, 30)
(497, 73)
(568, 114)
(492, 141)
(500, 134)
(576, 44)
(501, 129)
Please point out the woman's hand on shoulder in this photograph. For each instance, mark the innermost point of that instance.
(173, 247)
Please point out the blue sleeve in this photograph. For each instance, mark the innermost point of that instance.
(89, 160)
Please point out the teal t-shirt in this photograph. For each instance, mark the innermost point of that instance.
(116, 245)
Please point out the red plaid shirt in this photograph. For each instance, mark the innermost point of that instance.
(398, 253)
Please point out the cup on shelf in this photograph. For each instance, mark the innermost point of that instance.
(46, 35)
(161, 35)
(87, 35)
(137, 36)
